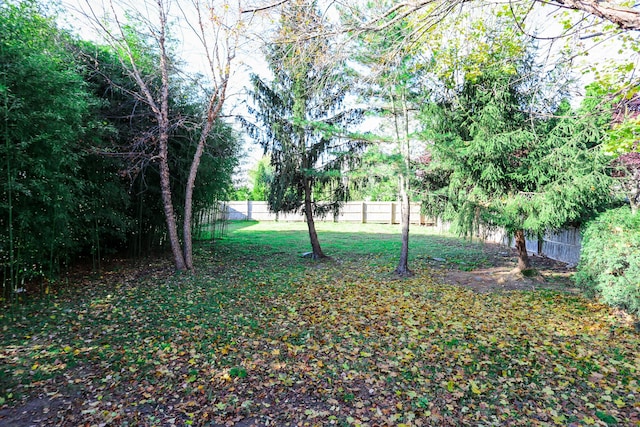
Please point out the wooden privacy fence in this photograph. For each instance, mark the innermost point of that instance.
(563, 245)
(361, 212)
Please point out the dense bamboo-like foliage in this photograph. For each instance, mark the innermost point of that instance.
(46, 124)
(73, 183)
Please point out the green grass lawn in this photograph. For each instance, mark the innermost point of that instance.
(261, 336)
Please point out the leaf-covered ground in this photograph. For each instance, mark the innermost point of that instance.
(261, 336)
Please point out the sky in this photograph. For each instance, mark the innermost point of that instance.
(248, 58)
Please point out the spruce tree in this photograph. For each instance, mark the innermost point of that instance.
(301, 118)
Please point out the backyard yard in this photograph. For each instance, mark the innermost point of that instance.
(260, 335)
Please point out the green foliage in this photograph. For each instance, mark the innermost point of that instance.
(375, 178)
(623, 137)
(507, 165)
(46, 123)
(610, 259)
(394, 86)
(76, 172)
(240, 193)
(260, 178)
(132, 143)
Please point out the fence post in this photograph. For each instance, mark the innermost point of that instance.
(393, 213)
(363, 209)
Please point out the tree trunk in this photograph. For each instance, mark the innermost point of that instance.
(162, 115)
(308, 211)
(213, 110)
(405, 205)
(625, 17)
(634, 194)
(405, 212)
(188, 206)
(521, 247)
(212, 113)
(167, 204)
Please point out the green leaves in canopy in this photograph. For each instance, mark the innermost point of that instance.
(510, 166)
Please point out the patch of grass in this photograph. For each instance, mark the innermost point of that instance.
(375, 244)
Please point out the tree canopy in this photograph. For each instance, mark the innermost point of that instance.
(141, 128)
(512, 160)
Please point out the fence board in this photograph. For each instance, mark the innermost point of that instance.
(362, 212)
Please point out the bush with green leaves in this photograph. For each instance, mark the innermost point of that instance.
(610, 259)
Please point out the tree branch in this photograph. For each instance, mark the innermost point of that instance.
(262, 8)
(626, 18)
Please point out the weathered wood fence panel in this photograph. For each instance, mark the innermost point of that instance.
(361, 212)
(562, 245)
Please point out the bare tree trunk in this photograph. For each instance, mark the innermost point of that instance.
(188, 205)
(213, 110)
(216, 101)
(163, 123)
(405, 212)
(625, 17)
(308, 211)
(218, 34)
(167, 204)
(405, 205)
(521, 247)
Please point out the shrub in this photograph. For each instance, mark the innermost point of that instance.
(610, 259)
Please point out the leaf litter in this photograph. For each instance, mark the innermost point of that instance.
(263, 337)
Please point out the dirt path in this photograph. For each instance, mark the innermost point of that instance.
(501, 274)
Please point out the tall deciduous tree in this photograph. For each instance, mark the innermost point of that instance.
(392, 84)
(620, 13)
(301, 118)
(216, 30)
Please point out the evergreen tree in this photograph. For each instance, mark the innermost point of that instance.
(507, 165)
(301, 116)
